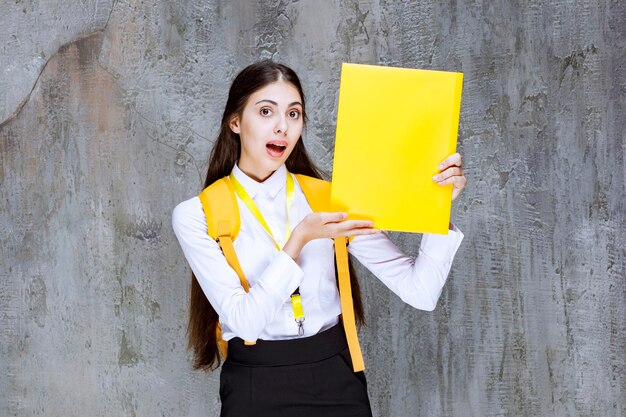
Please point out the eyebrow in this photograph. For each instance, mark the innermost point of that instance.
(276, 104)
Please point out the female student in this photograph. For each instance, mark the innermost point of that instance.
(276, 365)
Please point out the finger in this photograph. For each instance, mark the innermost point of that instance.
(355, 227)
(350, 227)
(354, 224)
(333, 217)
(452, 160)
(361, 232)
(455, 193)
(450, 172)
(457, 189)
(458, 181)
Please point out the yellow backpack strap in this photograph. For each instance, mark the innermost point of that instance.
(222, 218)
(223, 223)
(347, 307)
(317, 193)
(220, 204)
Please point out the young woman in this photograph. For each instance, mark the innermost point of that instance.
(302, 369)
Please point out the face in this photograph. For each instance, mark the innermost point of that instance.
(269, 128)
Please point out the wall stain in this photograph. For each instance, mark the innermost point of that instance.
(37, 295)
(353, 30)
(144, 230)
(127, 356)
(575, 61)
(26, 99)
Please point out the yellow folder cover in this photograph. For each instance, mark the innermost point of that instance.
(394, 126)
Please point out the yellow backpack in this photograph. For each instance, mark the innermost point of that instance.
(222, 216)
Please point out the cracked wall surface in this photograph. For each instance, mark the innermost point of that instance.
(31, 33)
(108, 113)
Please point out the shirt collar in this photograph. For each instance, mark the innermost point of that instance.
(272, 185)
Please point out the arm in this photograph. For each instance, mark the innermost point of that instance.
(246, 314)
(417, 281)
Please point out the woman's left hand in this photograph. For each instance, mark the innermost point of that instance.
(451, 172)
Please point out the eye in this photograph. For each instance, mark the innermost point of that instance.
(265, 111)
(294, 114)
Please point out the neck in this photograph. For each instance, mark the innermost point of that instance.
(255, 175)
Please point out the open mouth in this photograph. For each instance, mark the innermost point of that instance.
(276, 148)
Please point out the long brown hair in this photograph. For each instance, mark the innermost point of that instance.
(203, 318)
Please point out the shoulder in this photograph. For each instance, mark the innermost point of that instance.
(188, 215)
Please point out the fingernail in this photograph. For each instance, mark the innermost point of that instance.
(435, 177)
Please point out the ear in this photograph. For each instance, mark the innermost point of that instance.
(234, 124)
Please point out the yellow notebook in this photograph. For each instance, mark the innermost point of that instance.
(394, 126)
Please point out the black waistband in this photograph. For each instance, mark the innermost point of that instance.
(289, 352)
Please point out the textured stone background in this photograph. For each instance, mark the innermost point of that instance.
(107, 114)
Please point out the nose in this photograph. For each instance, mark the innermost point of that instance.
(281, 126)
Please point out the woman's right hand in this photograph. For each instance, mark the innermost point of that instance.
(325, 225)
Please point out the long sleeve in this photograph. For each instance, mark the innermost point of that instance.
(417, 281)
(245, 314)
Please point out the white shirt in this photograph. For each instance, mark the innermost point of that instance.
(265, 312)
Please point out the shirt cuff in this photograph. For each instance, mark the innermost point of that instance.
(281, 277)
(442, 247)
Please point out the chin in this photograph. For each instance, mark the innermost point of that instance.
(271, 167)
(275, 166)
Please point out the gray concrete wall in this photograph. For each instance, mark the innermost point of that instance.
(108, 111)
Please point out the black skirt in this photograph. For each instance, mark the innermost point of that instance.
(309, 376)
